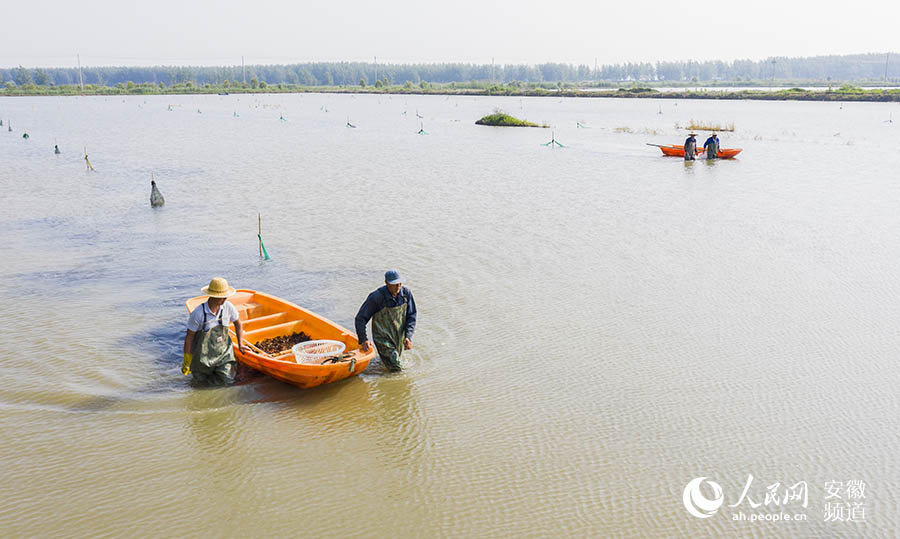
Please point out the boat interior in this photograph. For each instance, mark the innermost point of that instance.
(264, 317)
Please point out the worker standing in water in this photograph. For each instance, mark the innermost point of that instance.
(208, 351)
(690, 147)
(712, 146)
(392, 310)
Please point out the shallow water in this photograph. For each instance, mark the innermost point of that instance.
(598, 324)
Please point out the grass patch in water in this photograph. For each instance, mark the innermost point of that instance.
(501, 119)
(694, 125)
(642, 131)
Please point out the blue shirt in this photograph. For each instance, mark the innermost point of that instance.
(710, 140)
(381, 299)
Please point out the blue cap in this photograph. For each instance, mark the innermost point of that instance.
(392, 277)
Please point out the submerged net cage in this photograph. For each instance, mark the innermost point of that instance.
(316, 351)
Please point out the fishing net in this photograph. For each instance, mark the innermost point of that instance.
(263, 247)
(316, 351)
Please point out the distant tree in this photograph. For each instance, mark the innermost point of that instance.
(227, 84)
(129, 85)
(254, 82)
(264, 85)
(41, 77)
(162, 84)
(407, 84)
(307, 78)
(362, 82)
(22, 76)
(423, 84)
(379, 84)
(836, 69)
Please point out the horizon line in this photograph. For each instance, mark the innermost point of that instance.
(270, 61)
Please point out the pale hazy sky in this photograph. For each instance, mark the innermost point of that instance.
(203, 32)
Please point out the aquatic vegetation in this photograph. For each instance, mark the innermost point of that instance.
(501, 119)
(695, 125)
(846, 92)
(849, 89)
(637, 90)
(642, 131)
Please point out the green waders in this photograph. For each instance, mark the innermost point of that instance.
(214, 361)
(712, 151)
(388, 332)
(689, 148)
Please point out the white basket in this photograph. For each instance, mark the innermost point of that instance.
(316, 351)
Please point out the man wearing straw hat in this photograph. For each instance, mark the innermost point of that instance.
(392, 310)
(208, 352)
(690, 147)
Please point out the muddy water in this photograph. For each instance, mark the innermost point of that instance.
(599, 325)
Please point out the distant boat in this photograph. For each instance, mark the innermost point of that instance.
(678, 151)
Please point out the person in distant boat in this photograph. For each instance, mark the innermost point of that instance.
(392, 310)
(208, 352)
(690, 147)
(712, 146)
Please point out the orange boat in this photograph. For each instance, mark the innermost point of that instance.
(264, 316)
(678, 151)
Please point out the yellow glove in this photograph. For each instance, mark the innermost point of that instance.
(186, 367)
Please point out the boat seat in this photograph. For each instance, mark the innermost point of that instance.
(275, 329)
(266, 320)
(247, 310)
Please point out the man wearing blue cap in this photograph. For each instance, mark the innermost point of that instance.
(392, 310)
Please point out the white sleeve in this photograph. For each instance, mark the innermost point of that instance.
(232, 313)
(195, 318)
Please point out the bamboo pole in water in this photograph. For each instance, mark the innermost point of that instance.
(259, 215)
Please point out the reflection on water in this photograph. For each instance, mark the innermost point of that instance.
(599, 324)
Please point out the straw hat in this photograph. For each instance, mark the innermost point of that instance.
(218, 288)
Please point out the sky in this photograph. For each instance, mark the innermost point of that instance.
(40, 33)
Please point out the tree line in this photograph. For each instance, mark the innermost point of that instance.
(856, 67)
